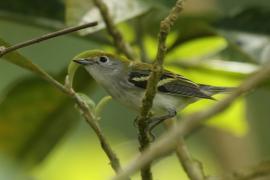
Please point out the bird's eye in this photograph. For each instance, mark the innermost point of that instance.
(103, 59)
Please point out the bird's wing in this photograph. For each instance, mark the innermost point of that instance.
(169, 83)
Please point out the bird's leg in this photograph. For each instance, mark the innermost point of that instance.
(135, 122)
(154, 121)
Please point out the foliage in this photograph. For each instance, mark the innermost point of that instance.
(221, 46)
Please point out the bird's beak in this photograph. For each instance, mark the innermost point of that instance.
(83, 61)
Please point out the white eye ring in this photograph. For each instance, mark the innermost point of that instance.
(103, 59)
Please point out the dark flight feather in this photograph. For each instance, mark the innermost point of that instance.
(170, 83)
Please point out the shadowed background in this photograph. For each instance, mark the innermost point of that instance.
(42, 135)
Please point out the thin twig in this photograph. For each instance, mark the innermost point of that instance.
(147, 102)
(114, 161)
(193, 168)
(5, 50)
(262, 170)
(117, 36)
(168, 142)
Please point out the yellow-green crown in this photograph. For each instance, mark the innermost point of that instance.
(97, 53)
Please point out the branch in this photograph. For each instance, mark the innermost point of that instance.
(147, 102)
(168, 142)
(118, 38)
(114, 161)
(193, 168)
(262, 170)
(5, 50)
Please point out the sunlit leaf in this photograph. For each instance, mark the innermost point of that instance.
(199, 48)
(232, 120)
(82, 11)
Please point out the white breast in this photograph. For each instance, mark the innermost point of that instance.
(131, 96)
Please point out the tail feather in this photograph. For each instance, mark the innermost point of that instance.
(212, 90)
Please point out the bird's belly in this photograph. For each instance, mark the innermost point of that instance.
(128, 96)
(164, 102)
(161, 103)
(132, 98)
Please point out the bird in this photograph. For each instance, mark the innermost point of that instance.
(126, 80)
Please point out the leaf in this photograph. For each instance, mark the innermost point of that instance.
(232, 120)
(21, 61)
(52, 9)
(252, 20)
(72, 68)
(34, 117)
(82, 11)
(248, 35)
(24, 108)
(10, 170)
(91, 103)
(166, 3)
(101, 104)
(246, 47)
(200, 48)
(230, 6)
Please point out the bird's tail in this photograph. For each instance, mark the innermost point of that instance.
(212, 90)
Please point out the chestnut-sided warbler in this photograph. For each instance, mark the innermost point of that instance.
(126, 81)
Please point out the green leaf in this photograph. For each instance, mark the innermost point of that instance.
(101, 104)
(246, 47)
(91, 103)
(252, 20)
(230, 6)
(52, 9)
(166, 3)
(81, 11)
(10, 170)
(248, 35)
(72, 68)
(34, 117)
(24, 115)
(200, 48)
(21, 61)
(232, 120)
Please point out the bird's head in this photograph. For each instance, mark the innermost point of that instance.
(100, 62)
